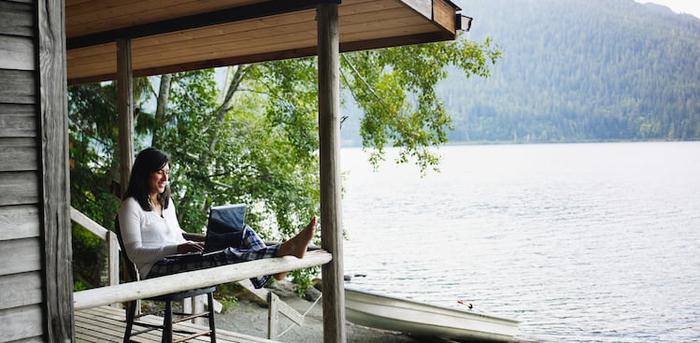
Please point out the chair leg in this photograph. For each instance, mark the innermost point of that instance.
(130, 314)
(212, 325)
(167, 323)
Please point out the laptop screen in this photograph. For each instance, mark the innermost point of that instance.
(226, 218)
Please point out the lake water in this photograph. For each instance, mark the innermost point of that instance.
(580, 242)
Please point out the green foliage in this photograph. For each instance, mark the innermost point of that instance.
(93, 170)
(92, 138)
(304, 279)
(257, 142)
(254, 154)
(80, 285)
(395, 88)
(226, 294)
(228, 303)
(88, 259)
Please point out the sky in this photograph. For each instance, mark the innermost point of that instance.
(680, 6)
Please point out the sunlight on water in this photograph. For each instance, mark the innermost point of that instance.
(580, 242)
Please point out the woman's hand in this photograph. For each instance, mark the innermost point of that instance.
(190, 246)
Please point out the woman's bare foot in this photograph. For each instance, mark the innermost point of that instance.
(296, 246)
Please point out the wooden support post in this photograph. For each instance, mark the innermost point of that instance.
(54, 173)
(125, 107)
(329, 141)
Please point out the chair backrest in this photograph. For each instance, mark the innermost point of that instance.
(129, 266)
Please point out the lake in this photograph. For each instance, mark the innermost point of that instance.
(580, 242)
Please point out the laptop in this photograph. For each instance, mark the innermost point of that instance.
(224, 229)
(225, 218)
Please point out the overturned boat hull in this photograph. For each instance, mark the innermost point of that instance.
(420, 319)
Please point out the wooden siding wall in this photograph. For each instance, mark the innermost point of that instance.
(20, 228)
(27, 92)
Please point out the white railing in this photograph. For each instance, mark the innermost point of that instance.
(105, 235)
(194, 279)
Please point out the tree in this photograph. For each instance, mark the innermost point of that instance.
(396, 90)
(256, 142)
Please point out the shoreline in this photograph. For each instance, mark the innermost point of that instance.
(592, 141)
(250, 318)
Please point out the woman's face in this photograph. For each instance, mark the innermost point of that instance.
(159, 180)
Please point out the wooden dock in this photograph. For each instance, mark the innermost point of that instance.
(106, 324)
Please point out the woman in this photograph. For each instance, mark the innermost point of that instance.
(150, 230)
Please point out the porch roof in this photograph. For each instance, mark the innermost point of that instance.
(180, 35)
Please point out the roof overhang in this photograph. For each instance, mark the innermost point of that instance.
(181, 35)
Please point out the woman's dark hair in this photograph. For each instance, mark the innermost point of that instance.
(147, 161)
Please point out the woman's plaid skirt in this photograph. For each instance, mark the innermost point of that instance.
(251, 247)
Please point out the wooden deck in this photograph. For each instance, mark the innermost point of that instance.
(106, 324)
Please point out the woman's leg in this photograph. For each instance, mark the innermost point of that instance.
(251, 248)
(296, 246)
(174, 265)
(250, 239)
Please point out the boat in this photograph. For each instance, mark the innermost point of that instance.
(425, 320)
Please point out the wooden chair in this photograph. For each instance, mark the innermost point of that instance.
(168, 321)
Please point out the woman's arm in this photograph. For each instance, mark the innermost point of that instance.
(194, 237)
(171, 215)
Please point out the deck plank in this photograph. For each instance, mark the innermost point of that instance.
(106, 324)
(113, 327)
(108, 329)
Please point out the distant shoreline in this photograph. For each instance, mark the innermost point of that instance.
(592, 141)
(568, 142)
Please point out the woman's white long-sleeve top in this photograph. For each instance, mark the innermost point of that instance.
(147, 236)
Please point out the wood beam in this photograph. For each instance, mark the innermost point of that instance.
(54, 177)
(444, 15)
(194, 279)
(329, 142)
(229, 15)
(125, 107)
(274, 56)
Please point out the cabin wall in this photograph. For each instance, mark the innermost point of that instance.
(20, 241)
(31, 130)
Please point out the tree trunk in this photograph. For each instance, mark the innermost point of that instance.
(162, 104)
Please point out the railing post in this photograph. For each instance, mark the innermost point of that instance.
(194, 305)
(198, 307)
(272, 316)
(113, 261)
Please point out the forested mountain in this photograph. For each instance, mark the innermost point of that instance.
(579, 70)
